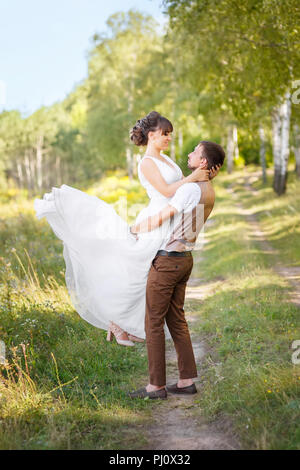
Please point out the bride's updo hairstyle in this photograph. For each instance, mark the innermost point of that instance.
(152, 122)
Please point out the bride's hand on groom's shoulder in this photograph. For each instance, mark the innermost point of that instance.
(214, 171)
(199, 175)
(131, 229)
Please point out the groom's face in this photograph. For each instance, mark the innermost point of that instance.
(196, 159)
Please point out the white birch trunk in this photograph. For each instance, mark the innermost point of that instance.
(180, 141)
(235, 143)
(262, 152)
(28, 170)
(296, 148)
(58, 170)
(230, 150)
(32, 168)
(173, 147)
(135, 163)
(285, 133)
(276, 138)
(39, 161)
(20, 174)
(129, 163)
(281, 148)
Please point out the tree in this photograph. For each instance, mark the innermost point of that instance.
(248, 52)
(123, 76)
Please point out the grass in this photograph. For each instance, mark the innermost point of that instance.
(247, 320)
(64, 387)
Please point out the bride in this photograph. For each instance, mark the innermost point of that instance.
(106, 266)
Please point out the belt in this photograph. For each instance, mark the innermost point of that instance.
(173, 253)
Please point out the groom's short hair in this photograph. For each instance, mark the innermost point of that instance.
(213, 153)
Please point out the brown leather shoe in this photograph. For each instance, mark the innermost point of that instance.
(142, 393)
(189, 390)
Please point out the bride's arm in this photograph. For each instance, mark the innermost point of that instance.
(153, 175)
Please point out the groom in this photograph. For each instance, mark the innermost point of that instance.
(169, 273)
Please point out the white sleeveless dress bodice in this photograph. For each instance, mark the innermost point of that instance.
(106, 268)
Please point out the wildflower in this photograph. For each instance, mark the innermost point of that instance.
(269, 391)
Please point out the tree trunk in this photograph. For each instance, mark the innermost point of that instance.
(235, 143)
(285, 148)
(32, 168)
(28, 171)
(230, 150)
(276, 137)
(180, 142)
(136, 159)
(129, 161)
(20, 175)
(58, 170)
(173, 147)
(296, 148)
(39, 160)
(262, 153)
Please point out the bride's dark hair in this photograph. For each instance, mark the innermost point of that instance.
(152, 122)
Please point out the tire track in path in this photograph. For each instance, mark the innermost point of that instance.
(290, 273)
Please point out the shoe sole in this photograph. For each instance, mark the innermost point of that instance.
(150, 398)
(182, 393)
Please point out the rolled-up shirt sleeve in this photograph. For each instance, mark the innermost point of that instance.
(186, 197)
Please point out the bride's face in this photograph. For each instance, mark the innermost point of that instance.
(160, 139)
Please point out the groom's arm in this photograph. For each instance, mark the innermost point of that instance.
(155, 221)
(185, 199)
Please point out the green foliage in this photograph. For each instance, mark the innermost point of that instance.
(216, 65)
(246, 52)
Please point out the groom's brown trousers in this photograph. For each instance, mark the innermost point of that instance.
(164, 301)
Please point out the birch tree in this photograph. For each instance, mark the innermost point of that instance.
(296, 148)
(281, 148)
(262, 153)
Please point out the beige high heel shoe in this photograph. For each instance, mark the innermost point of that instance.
(116, 331)
(135, 338)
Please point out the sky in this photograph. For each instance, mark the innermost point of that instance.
(44, 45)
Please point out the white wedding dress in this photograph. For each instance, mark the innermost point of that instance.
(106, 267)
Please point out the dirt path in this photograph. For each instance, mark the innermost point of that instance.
(290, 273)
(176, 420)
